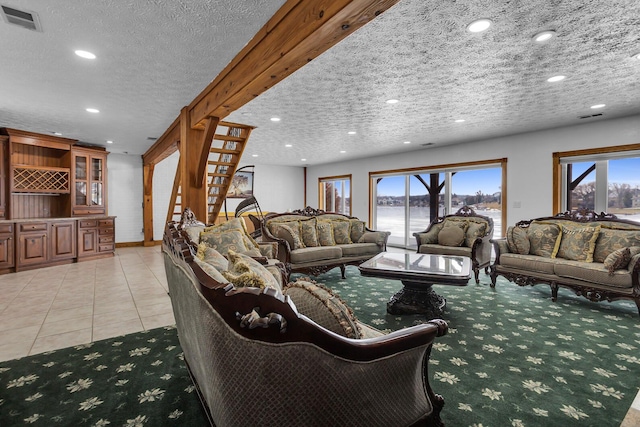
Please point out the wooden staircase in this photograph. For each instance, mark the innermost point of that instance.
(226, 148)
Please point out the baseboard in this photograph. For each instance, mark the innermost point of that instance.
(136, 244)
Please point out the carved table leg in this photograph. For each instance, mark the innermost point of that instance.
(417, 298)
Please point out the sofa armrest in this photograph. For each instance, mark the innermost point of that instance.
(283, 251)
(378, 237)
(501, 247)
(481, 249)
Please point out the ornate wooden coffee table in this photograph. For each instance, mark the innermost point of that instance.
(418, 272)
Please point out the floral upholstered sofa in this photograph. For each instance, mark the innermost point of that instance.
(596, 255)
(313, 241)
(263, 353)
(463, 233)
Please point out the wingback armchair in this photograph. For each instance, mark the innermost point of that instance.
(463, 233)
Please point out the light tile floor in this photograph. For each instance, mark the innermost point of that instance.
(56, 307)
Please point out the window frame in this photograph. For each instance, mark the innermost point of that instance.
(322, 194)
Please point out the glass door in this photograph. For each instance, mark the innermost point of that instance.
(96, 181)
(81, 180)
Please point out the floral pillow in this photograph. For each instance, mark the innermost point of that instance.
(287, 233)
(224, 242)
(611, 240)
(341, 232)
(544, 239)
(325, 233)
(309, 233)
(357, 229)
(211, 257)
(474, 231)
(245, 271)
(518, 240)
(453, 233)
(620, 258)
(578, 244)
(431, 236)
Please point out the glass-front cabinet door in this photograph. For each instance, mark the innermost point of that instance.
(89, 174)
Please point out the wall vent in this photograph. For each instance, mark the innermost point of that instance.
(25, 19)
(590, 116)
(427, 144)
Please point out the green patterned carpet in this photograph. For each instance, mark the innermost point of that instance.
(511, 358)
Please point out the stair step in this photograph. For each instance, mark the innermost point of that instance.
(219, 137)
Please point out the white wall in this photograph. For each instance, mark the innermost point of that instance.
(529, 165)
(125, 196)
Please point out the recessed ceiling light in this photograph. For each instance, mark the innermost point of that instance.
(275, 119)
(479, 25)
(598, 106)
(460, 120)
(254, 155)
(556, 78)
(407, 142)
(636, 56)
(544, 36)
(93, 110)
(288, 145)
(342, 151)
(109, 142)
(392, 101)
(303, 160)
(352, 132)
(85, 54)
(56, 133)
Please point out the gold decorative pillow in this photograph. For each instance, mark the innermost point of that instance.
(212, 257)
(475, 230)
(431, 236)
(269, 249)
(518, 241)
(325, 233)
(341, 232)
(321, 305)
(211, 271)
(611, 240)
(287, 233)
(237, 224)
(452, 234)
(617, 260)
(357, 229)
(309, 233)
(225, 241)
(544, 239)
(578, 244)
(245, 271)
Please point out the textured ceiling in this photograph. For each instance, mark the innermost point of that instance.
(155, 56)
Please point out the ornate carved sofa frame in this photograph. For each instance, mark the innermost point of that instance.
(476, 245)
(593, 280)
(256, 360)
(318, 259)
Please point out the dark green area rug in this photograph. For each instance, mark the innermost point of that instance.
(511, 358)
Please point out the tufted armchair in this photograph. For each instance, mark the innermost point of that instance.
(463, 233)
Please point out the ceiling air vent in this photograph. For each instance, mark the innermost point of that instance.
(590, 116)
(23, 18)
(427, 144)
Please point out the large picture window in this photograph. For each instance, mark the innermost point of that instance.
(406, 201)
(335, 194)
(602, 181)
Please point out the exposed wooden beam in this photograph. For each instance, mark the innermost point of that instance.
(147, 204)
(299, 32)
(164, 146)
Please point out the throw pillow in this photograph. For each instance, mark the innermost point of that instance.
(476, 230)
(212, 257)
(377, 237)
(341, 232)
(617, 260)
(325, 233)
(321, 305)
(211, 271)
(430, 237)
(357, 229)
(518, 241)
(237, 224)
(194, 233)
(453, 233)
(309, 233)
(225, 241)
(245, 271)
(611, 240)
(287, 233)
(578, 244)
(269, 249)
(544, 239)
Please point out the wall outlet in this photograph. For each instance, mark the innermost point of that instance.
(517, 204)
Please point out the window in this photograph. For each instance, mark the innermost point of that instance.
(600, 180)
(335, 194)
(406, 201)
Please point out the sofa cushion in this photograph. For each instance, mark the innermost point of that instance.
(452, 234)
(593, 272)
(436, 249)
(578, 244)
(611, 240)
(245, 271)
(319, 253)
(476, 230)
(224, 241)
(357, 229)
(325, 233)
(212, 257)
(321, 305)
(518, 240)
(359, 249)
(283, 231)
(341, 232)
(533, 263)
(544, 239)
(309, 233)
(431, 236)
(210, 270)
(620, 258)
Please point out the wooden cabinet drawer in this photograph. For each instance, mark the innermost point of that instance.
(36, 226)
(106, 231)
(106, 239)
(105, 247)
(83, 211)
(105, 223)
(88, 223)
(6, 228)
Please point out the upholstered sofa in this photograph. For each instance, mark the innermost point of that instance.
(293, 356)
(595, 255)
(313, 241)
(464, 233)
